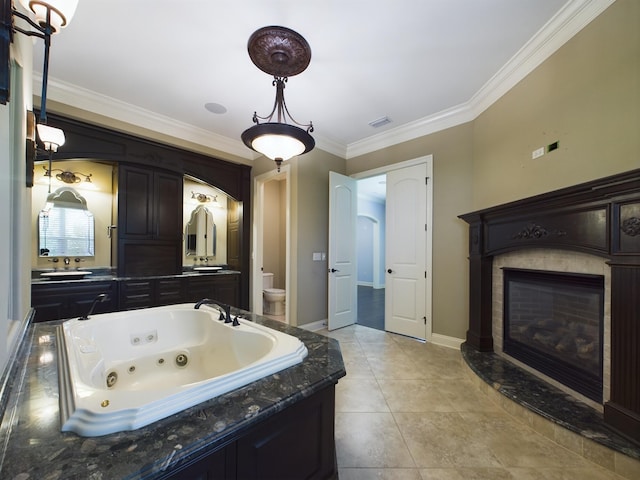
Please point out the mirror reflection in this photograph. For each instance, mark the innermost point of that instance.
(200, 233)
(66, 226)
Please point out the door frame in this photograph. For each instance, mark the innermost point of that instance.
(257, 254)
(428, 160)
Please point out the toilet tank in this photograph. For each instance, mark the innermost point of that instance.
(267, 280)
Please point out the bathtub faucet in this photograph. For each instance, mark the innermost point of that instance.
(226, 316)
(103, 297)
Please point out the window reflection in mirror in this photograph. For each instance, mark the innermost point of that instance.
(205, 223)
(66, 226)
(100, 195)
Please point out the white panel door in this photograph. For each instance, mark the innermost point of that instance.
(343, 287)
(406, 235)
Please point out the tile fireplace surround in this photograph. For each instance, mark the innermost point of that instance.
(589, 228)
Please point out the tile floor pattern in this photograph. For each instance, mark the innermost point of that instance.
(408, 411)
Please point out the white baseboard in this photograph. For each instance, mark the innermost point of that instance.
(446, 341)
(365, 284)
(314, 326)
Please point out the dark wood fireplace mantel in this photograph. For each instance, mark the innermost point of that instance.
(602, 218)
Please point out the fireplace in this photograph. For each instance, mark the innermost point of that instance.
(600, 218)
(553, 322)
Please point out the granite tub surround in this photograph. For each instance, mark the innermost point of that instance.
(553, 413)
(34, 447)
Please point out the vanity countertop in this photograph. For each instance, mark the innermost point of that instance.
(32, 445)
(101, 275)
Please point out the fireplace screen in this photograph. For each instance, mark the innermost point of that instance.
(553, 322)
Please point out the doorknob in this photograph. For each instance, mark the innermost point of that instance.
(333, 270)
(389, 271)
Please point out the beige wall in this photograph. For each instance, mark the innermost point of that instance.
(452, 195)
(586, 96)
(274, 235)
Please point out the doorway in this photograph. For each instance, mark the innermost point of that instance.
(408, 303)
(271, 242)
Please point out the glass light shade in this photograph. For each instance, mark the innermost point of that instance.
(61, 11)
(52, 137)
(278, 140)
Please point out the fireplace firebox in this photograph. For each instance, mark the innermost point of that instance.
(553, 322)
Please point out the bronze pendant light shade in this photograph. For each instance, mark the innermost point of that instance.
(283, 53)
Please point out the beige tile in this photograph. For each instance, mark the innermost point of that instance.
(370, 440)
(379, 474)
(394, 364)
(354, 394)
(465, 397)
(627, 467)
(444, 440)
(466, 474)
(415, 396)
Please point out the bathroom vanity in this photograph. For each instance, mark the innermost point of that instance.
(281, 426)
(58, 299)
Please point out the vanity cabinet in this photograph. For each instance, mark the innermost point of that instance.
(151, 292)
(59, 300)
(71, 299)
(149, 221)
(224, 288)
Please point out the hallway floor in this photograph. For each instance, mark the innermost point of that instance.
(408, 411)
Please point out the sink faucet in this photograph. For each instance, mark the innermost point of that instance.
(103, 297)
(226, 316)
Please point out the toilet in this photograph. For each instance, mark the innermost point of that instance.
(273, 298)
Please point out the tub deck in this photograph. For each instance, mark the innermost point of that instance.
(31, 441)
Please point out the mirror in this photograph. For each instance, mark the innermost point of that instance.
(66, 226)
(200, 233)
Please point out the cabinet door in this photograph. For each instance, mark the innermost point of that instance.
(298, 443)
(219, 465)
(55, 301)
(135, 209)
(170, 291)
(167, 206)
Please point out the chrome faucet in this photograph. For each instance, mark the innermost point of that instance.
(103, 297)
(226, 316)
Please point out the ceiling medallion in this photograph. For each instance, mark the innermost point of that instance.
(279, 51)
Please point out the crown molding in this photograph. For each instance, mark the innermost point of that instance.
(110, 107)
(572, 18)
(567, 22)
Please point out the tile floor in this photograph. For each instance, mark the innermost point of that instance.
(408, 411)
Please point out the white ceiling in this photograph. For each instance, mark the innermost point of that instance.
(426, 64)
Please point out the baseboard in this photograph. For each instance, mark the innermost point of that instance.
(446, 341)
(314, 326)
(365, 284)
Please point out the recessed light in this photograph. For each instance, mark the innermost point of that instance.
(215, 108)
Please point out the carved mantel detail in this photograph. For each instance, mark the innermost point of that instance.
(533, 231)
(631, 226)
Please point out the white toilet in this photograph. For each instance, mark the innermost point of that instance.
(273, 298)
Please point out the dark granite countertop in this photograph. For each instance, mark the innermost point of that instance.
(546, 400)
(33, 447)
(101, 275)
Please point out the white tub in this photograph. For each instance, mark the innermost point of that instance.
(124, 370)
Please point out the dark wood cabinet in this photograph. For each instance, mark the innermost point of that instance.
(53, 301)
(224, 288)
(295, 443)
(59, 300)
(149, 221)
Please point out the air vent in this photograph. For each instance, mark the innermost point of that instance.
(380, 122)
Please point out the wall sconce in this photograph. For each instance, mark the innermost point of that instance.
(50, 17)
(202, 197)
(67, 176)
(283, 53)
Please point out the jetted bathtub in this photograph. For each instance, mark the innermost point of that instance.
(124, 370)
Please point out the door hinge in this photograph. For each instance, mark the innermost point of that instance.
(425, 320)
(425, 274)
(426, 180)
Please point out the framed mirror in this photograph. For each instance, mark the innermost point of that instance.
(66, 226)
(200, 233)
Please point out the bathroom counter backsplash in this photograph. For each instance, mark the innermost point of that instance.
(32, 445)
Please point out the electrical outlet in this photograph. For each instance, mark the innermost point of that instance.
(537, 153)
